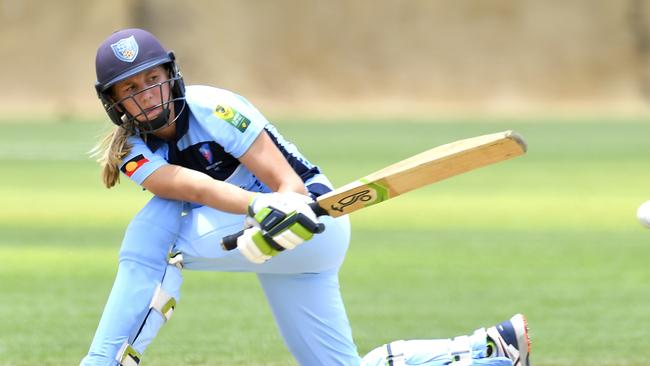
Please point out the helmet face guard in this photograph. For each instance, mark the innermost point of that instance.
(127, 53)
(140, 123)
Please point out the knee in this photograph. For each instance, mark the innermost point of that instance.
(152, 232)
(326, 251)
(146, 244)
(163, 212)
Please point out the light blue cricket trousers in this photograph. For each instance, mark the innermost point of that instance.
(301, 285)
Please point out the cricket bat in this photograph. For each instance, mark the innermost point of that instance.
(415, 172)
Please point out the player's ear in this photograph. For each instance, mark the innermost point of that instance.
(170, 75)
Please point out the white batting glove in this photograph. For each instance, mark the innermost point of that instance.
(251, 244)
(276, 222)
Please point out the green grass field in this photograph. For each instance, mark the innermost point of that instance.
(552, 234)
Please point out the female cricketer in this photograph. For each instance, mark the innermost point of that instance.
(215, 164)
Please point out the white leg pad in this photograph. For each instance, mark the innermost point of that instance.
(460, 351)
(395, 351)
(128, 356)
(163, 303)
(391, 354)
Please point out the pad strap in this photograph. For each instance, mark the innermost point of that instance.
(163, 303)
(128, 356)
(395, 354)
(176, 259)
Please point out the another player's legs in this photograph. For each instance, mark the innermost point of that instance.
(506, 344)
(144, 290)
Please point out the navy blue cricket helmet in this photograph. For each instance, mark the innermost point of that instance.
(124, 54)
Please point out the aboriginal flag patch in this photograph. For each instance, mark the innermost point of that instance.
(134, 164)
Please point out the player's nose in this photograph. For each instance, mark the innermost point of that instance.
(147, 93)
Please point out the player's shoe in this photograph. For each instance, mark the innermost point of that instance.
(510, 339)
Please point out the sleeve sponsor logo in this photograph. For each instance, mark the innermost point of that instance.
(233, 117)
(133, 165)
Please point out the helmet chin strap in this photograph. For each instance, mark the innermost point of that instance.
(155, 124)
(160, 121)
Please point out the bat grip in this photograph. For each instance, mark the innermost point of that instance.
(229, 242)
(319, 211)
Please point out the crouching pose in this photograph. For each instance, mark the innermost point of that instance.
(215, 164)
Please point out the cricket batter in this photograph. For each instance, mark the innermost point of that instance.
(215, 164)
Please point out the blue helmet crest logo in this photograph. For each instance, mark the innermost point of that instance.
(126, 49)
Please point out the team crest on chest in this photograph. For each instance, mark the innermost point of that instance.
(126, 49)
(206, 152)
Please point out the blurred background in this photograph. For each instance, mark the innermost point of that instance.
(342, 56)
(552, 234)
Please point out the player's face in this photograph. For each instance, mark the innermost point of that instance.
(143, 95)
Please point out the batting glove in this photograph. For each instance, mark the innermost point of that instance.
(276, 222)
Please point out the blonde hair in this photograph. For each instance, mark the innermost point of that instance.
(109, 153)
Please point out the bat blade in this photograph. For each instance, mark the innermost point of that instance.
(422, 169)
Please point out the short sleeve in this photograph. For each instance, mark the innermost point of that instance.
(141, 161)
(229, 119)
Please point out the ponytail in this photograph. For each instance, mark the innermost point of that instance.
(109, 153)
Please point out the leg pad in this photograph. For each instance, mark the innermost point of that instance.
(175, 259)
(395, 354)
(163, 303)
(128, 356)
(460, 351)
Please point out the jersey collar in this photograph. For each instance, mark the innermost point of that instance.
(182, 124)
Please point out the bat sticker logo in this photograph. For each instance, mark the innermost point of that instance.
(373, 192)
(363, 196)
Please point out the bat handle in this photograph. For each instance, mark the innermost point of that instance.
(229, 242)
(319, 211)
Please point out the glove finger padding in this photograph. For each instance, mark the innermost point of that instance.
(295, 229)
(254, 247)
(285, 219)
(267, 218)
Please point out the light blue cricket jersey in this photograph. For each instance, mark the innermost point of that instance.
(213, 131)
